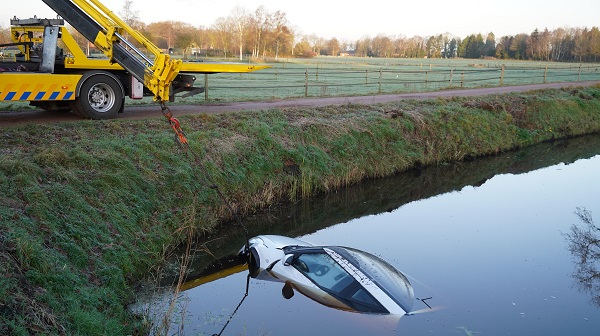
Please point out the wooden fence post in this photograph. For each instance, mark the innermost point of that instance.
(502, 75)
(306, 83)
(451, 71)
(205, 86)
(367, 77)
(462, 79)
(545, 73)
(579, 74)
(379, 81)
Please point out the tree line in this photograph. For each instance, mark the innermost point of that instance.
(559, 45)
(262, 34)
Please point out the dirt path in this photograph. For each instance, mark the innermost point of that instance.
(8, 118)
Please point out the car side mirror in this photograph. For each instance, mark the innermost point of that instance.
(287, 291)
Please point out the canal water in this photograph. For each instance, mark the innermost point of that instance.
(487, 240)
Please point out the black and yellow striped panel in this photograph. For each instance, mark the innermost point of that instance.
(39, 87)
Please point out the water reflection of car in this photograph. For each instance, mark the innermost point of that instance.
(339, 277)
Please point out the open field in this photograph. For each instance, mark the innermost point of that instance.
(356, 76)
(344, 76)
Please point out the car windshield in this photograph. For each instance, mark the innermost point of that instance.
(386, 276)
(326, 273)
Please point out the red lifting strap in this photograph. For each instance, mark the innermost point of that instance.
(178, 131)
(175, 125)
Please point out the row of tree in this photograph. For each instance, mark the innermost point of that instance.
(260, 34)
(269, 34)
(561, 45)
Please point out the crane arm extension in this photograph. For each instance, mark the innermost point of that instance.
(102, 27)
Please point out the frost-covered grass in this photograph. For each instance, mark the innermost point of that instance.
(351, 76)
(341, 76)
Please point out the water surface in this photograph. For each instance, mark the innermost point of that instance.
(484, 238)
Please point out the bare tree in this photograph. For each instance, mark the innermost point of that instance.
(317, 43)
(186, 37)
(130, 15)
(346, 45)
(223, 31)
(363, 47)
(557, 42)
(594, 37)
(382, 46)
(400, 46)
(581, 46)
(4, 35)
(260, 25)
(163, 34)
(303, 48)
(584, 245)
(333, 47)
(263, 33)
(239, 19)
(283, 35)
(545, 45)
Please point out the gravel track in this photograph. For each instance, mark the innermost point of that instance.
(10, 118)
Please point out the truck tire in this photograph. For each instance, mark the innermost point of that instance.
(100, 97)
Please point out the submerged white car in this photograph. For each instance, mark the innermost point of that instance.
(338, 277)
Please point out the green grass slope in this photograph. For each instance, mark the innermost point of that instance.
(88, 208)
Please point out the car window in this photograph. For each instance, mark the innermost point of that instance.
(321, 269)
(388, 278)
(326, 273)
(363, 301)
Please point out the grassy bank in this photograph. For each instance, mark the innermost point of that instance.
(88, 208)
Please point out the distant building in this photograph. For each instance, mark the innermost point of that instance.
(348, 53)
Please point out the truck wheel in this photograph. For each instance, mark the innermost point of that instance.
(100, 97)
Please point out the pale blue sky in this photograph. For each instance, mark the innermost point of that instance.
(347, 21)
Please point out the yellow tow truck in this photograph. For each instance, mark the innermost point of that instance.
(52, 72)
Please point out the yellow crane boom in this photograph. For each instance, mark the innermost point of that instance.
(94, 88)
(103, 28)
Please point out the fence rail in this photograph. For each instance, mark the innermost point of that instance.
(365, 76)
(284, 81)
